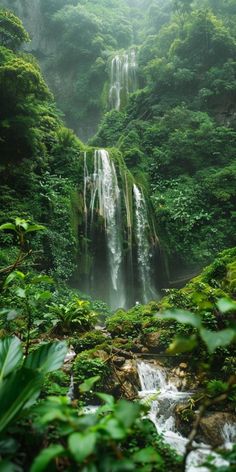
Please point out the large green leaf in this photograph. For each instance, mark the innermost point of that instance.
(32, 228)
(82, 445)
(8, 226)
(15, 391)
(6, 466)
(46, 456)
(115, 429)
(88, 384)
(10, 355)
(47, 357)
(181, 344)
(17, 274)
(215, 339)
(185, 317)
(127, 412)
(148, 456)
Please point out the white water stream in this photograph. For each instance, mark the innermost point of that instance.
(123, 78)
(105, 201)
(143, 246)
(163, 396)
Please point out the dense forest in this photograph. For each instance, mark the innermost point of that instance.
(117, 235)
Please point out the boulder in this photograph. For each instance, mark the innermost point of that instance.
(128, 373)
(152, 340)
(118, 360)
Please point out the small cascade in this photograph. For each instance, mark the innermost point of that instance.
(123, 78)
(143, 246)
(70, 393)
(229, 434)
(163, 396)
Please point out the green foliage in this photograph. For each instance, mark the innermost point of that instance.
(95, 439)
(12, 32)
(86, 366)
(127, 323)
(20, 382)
(89, 340)
(75, 316)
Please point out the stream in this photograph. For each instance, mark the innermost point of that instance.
(162, 396)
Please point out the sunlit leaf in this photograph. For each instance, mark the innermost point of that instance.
(32, 228)
(181, 344)
(42, 279)
(43, 295)
(10, 355)
(14, 275)
(108, 399)
(20, 292)
(21, 223)
(88, 384)
(8, 226)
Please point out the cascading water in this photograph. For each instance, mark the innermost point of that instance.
(163, 397)
(116, 243)
(105, 202)
(143, 246)
(123, 78)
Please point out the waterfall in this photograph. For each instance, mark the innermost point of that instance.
(163, 396)
(123, 78)
(229, 434)
(105, 202)
(116, 235)
(143, 246)
(70, 393)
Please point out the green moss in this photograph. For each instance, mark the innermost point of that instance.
(89, 340)
(86, 365)
(56, 383)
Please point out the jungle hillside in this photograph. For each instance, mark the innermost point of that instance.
(117, 235)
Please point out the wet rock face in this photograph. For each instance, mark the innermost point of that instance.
(212, 427)
(182, 378)
(129, 379)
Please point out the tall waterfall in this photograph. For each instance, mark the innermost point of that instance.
(116, 235)
(105, 202)
(163, 396)
(143, 245)
(123, 78)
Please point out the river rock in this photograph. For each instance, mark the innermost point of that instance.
(151, 340)
(212, 426)
(144, 350)
(118, 360)
(128, 373)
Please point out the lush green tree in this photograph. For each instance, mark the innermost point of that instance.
(12, 32)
